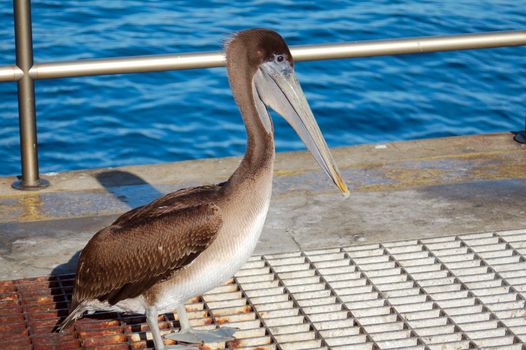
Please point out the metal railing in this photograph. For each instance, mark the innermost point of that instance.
(25, 71)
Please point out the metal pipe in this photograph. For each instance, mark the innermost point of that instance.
(156, 63)
(10, 73)
(120, 65)
(26, 99)
(410, 45)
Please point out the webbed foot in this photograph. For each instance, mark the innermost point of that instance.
(192, 336)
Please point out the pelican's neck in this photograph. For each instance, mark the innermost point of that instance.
(259, 155)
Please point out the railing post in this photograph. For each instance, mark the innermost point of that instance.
(26, 100)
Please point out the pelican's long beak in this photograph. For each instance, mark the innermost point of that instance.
(278, 88)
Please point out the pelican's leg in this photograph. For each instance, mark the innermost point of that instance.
(191, 336)
(153, 323)
(183, 320)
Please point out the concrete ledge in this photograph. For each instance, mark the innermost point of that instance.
(402, 190)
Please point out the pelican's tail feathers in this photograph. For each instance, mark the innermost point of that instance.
(70, 319)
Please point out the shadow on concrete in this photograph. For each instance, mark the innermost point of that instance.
(502, 194)
(68, 267)
(480, 206)
(127, 187)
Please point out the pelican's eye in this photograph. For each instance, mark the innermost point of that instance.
(280, 58)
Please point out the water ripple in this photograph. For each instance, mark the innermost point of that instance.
(150, 118)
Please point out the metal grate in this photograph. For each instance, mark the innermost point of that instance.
(457, 292)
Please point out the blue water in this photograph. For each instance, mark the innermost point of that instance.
(158, 117)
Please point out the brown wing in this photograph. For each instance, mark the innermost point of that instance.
(172, 201)
(122, 262)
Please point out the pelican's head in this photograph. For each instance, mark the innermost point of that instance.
(271, 66)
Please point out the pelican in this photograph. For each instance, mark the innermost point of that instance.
(155, 257)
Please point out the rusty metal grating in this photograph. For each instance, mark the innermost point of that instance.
(457, 292)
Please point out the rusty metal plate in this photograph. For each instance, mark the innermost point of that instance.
(456, 292)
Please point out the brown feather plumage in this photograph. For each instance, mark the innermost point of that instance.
(146, 245)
